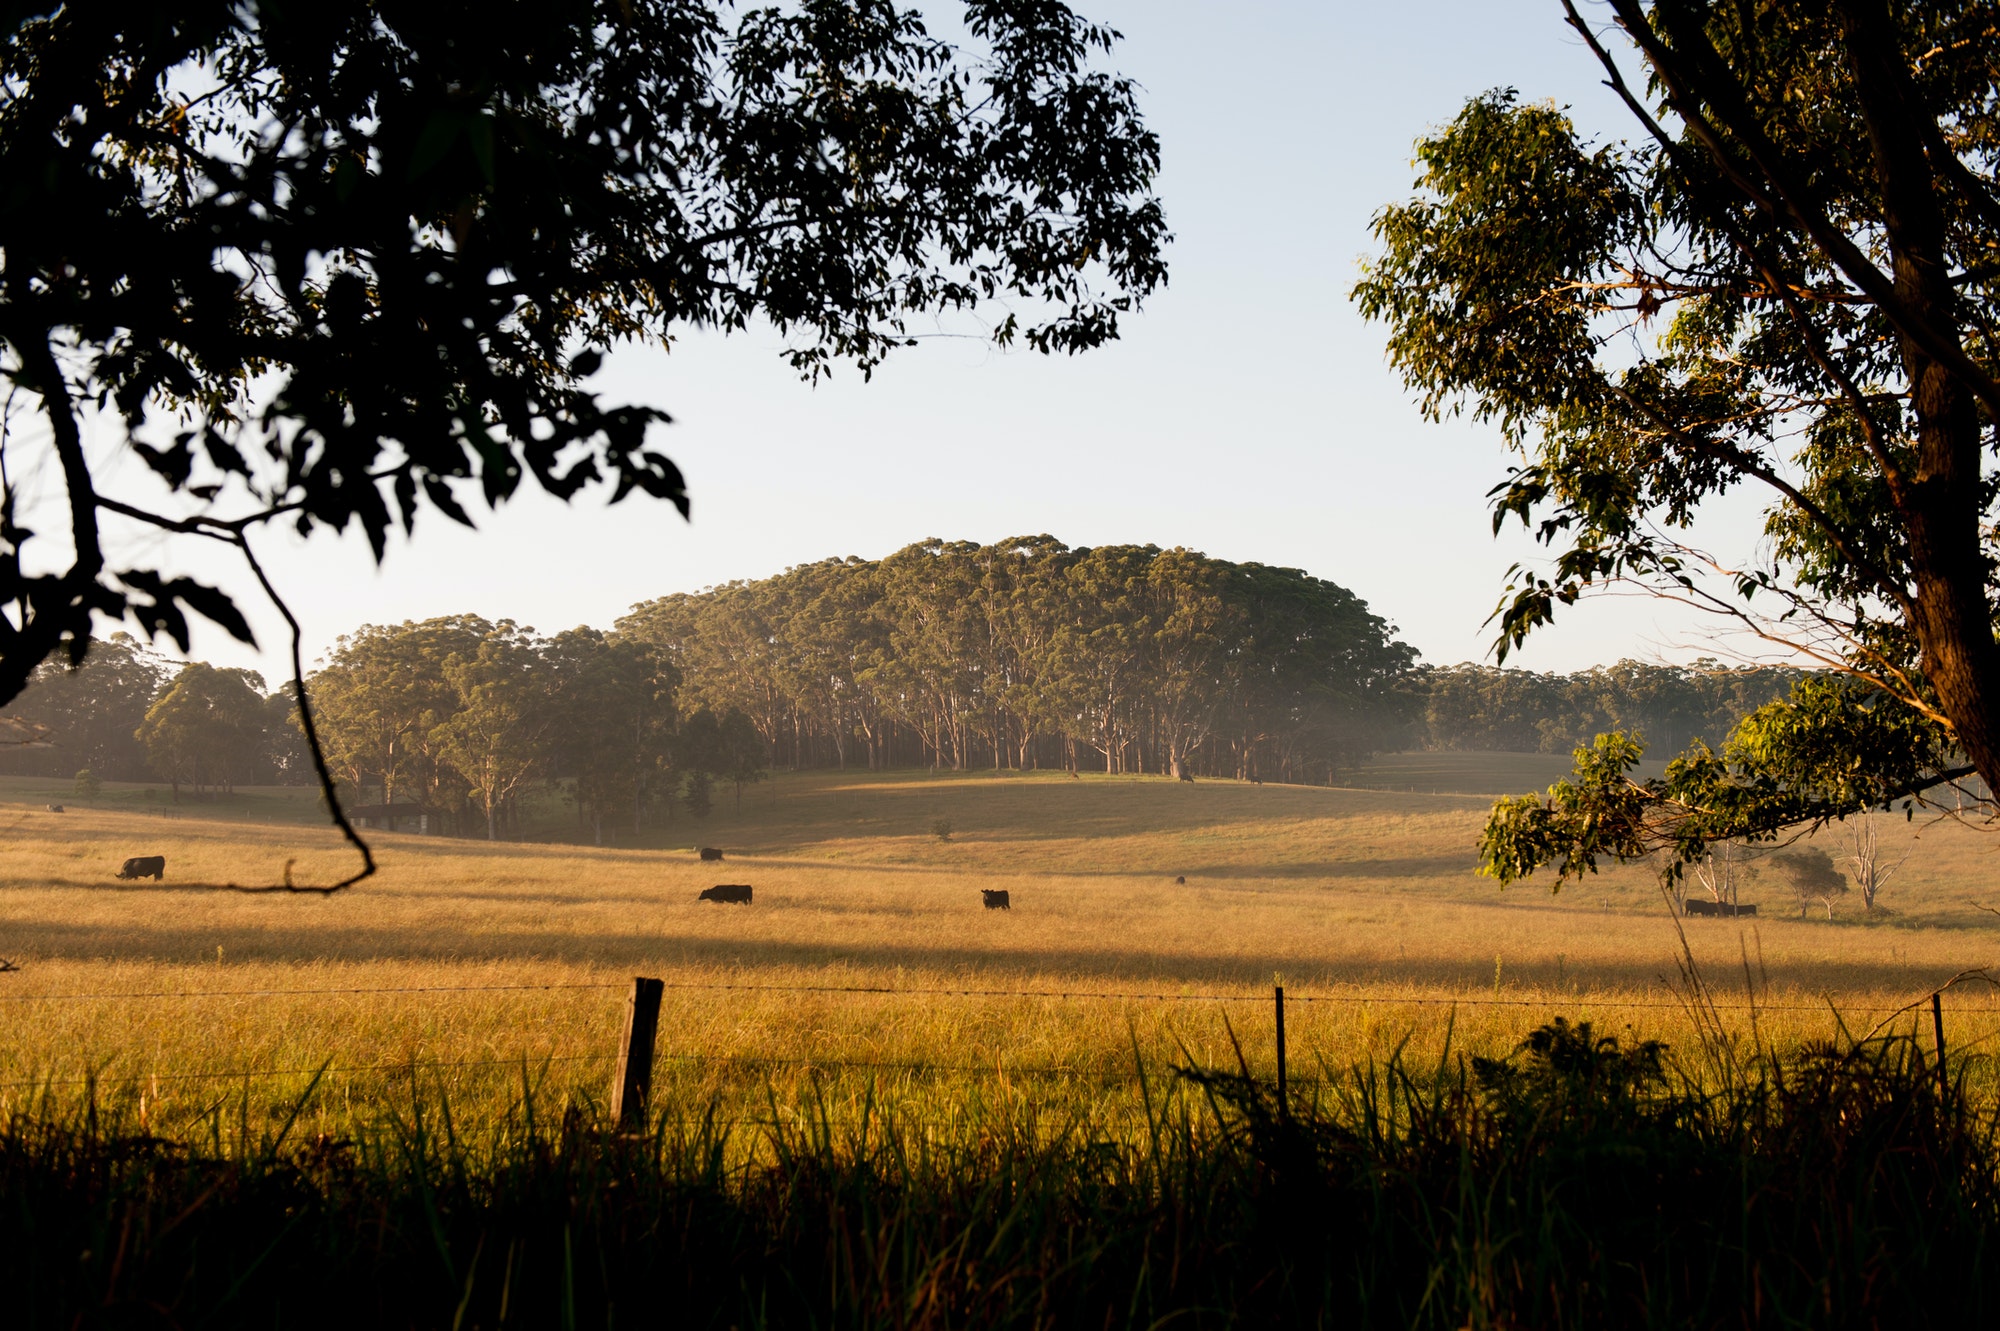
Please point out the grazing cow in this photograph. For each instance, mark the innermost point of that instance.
(145, 866)
(55, 808)
(1694, 907)
(709, 853)
(1181, 881)
(739, 893)
(996, 899)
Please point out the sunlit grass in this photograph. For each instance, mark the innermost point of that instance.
(1363, 900)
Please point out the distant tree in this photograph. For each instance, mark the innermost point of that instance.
(742, 753)
(502, 732)
(1867, 863)
(92, 711)
(87, 786)
(1810, 874)
(207, 729)
(698, 755)
(1670, 707)
(1720, 870)
(381, 697)
(285, 751)
(957, 654)
(614, 704)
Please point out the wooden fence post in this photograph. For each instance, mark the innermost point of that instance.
(1283, 1111)
(1937, 1030)
(634, 1085)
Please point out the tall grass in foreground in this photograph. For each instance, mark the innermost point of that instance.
(1578, 1182)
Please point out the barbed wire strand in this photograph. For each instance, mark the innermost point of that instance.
(265, 1074)
(1066, 995)
(749, 1060)
(411, 1067)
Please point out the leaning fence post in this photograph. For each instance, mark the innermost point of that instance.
(1937, 1030)
(1283, 1111)
(635, 1056)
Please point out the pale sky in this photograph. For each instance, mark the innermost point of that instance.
(1248, 412)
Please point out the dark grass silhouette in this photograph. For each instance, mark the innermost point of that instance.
(1581, 1182)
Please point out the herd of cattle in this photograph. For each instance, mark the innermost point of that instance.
(1693, 907)
(738, 894)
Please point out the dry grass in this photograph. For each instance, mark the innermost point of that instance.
(1363, 899)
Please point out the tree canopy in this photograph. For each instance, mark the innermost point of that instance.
(1523, 711)
(340, 263)
(1028, 653)
(1787, 281)
(461, 717)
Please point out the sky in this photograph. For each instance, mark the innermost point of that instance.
(1248, 411)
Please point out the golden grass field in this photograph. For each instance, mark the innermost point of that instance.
(1364, 901)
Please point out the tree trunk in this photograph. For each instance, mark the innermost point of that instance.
(1942, 494)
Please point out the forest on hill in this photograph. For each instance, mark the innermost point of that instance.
(1030, 654)
(1027, 654)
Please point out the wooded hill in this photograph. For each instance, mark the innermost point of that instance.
(1026, 654)
(1029, 654)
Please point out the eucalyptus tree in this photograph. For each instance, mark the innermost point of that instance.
(613, 703)
(1193, 626)
(1788, 284)
(1025, 621)
(504, 729)
(207, 729)
(349, 263)
(381, 696)
(92, 712)
(935, 668)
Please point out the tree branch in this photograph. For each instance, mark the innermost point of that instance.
(1702, 80)
(311, 728)
(1785, 292)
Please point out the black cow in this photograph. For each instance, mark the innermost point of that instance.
(709, 853)
(996, 899)
(1181, 881)
(145, 866)
(739, 893)
(1694, 907)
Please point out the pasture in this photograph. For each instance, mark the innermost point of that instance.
(867, 966)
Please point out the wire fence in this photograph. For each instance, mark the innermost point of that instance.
(408, 1067)
(1357, 998)
(914, 1067)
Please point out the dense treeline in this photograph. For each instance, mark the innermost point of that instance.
(1028, 654)
(127, 715)
(461, 717)
(1521, 711)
